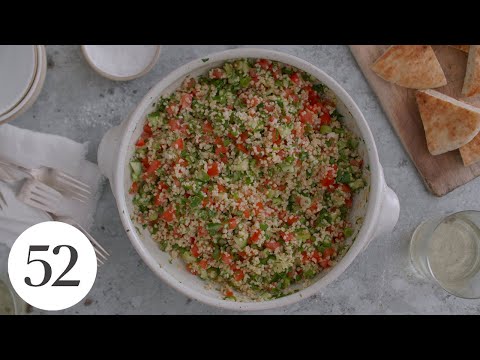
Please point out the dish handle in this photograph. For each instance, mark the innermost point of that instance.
(389, 212)
(108, 151)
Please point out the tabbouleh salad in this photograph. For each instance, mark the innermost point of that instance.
(248, 174)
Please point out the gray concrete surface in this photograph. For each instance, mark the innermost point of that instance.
(78, 103)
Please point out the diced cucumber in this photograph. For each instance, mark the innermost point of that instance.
(302, 234)
(240, 242)
(357, 184)
(188, 258)
(325, 129)
(136, 167)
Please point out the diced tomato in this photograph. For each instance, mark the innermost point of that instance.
(242, 148)
(242, 254)
(251, 103)
(227, 258)
(154, 165)
(328, 252)
(330, 177)
(313, 207)
(202, 232)
(162, 186)
(287, 237)
(325, 119)
(253, 75)
(305, 258)
(246, 213)
(178, 144)
(358, 163)
(191, 270)
(140, 143)
(254, 238)
(168, 215)
(171, 109)
(217, 73)
(265, 64)
(203, 264)
(306, 117)
(207, 127)
(349, 203)
(259, 208)
(221, 150)
(221, 188)
(213, 170)
(134, 188)
(145, 163)
(195, 251)
(205, 201)
(292, 220)
(346, 188)
(224, 159)
(276, 138)
(325, 264)
(295, 78)
(272, 245)
(186, 101)
(269, 107)
(228, 293)
(174, 124)
(244, 136)
(147, 129)
(232, 223)
(218, 140)
(316, 255)
(238, 275)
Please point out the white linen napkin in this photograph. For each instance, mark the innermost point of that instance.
(32, 149)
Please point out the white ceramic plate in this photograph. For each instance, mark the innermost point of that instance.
(18, 65)
(32, 94)
(121, 62)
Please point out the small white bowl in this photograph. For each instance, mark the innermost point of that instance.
(104, 58)
(34, 91)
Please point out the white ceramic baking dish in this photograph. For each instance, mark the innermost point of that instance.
(376, 206)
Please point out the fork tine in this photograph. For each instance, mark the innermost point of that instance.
(99, 253)
(72, 187)
(75, 182)
(35, 203)
(2, 201)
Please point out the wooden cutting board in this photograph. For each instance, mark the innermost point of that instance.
(441, 173)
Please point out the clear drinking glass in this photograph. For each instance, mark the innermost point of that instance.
(446, 250)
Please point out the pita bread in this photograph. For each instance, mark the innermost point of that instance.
(448, 123)
(471, 84)
(410, 66)
(463, 48)
(471, 152)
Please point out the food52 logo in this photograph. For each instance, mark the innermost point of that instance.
(52, 266)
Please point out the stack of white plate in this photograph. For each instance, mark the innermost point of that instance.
(22, 74)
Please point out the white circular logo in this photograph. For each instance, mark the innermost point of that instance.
(52, 266)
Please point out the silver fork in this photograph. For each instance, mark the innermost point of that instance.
(2, 201)
(43, 197)
(53, 177)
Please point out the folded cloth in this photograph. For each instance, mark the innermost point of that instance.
(31, 150)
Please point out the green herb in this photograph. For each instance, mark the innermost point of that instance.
(319, 88)
(213, 228)
(344, 177)
(263, 227)
(348, 232)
